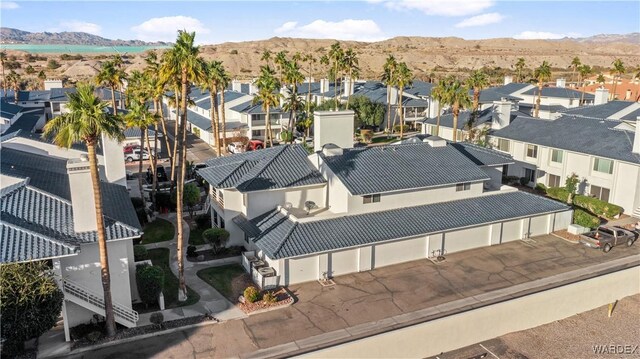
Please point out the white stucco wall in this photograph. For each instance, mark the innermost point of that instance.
(259, 202)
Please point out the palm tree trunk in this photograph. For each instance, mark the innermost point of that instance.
(154, 166)
(214, 121)
(224, 121)
(389, 108)
(166, 137)
(142, 136)
(438, 120)
(110, 322)
(582, 94)
(349, 90)
(611, 97)
(401, 113)
(537, 110)
(476, 99)
(268, 122)
(180, 136)
(456, 112)
(176, 132)
(113, 101)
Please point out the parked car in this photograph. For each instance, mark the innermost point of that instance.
(136, 155)
(607, 237)
(130, 148)
(254, 145)
(235, 147)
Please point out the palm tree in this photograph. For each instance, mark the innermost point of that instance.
(111, 76)
(86, 121)
(324, 61)
(292, 104)
(350, 62)
(601, 80)
(477, 81)
(266, 56)
(280, 61)
(210, 84)
(3, 60)
(575, 65)
(520, 67)
(336, 55)
(637, 77)
(14, 81)
(118, 62)
(584, 71)
(223, 79)
(404, 77)
(438, 93)
(268, 95)
(152, 70)
(388, 78)
(542, 74)
(293, 76)
(183, 59)
(309, 59)
(140, 117)
(617, 71)
(457, 96)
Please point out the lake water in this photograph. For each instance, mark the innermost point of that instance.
(77, 49)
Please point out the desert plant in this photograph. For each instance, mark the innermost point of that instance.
(217, 237)
(269, 297)
(157, 319)
(251, 294)
(140, 253)
(150, 281)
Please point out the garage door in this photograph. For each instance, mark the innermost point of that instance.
(511, 231)
(539, 225)
(343, 262)
(301, 270)
(466, 239)
(398, 252)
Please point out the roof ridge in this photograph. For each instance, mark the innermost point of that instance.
(69, 245)
(286, 236)
(14, 187)
(268, 162)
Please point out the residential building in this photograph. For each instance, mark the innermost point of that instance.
(342, 209)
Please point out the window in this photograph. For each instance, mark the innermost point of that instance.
(503, 145)
(553, 181)
(600, 193)
(556, 156)
(372, 198)
(603, 165)
(221, 223)
(530, 174)
(532, 151)
(463, 187)
(256, 133)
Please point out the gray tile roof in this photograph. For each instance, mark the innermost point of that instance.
(559, 92)
(60, 94)
(390, 168)
(633, 116)
(34, 95)
(578, 134)
(134, 132)
(446, 120)
(510, 88)
(9, 110)
(40, 225)
(602, 111)
(420, 88)
(481, 156)
(489, 95)
(228, 97)
(26, 123)
(199, 120)
(280, 237)
(271, 168)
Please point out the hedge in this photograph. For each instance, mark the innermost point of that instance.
(140, 253)
(150, 281)
(558, 193)
(598, 207)
(584, 218)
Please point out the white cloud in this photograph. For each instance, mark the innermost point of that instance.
(8, 5)
(80, 26)
(481, 20)
(442, 7)
(166, 28)
(542, 35)
(348, 29)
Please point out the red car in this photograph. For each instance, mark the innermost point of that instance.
(254, 145)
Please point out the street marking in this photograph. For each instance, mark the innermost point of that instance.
(490, 352)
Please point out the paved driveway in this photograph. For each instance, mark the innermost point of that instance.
(378, 294)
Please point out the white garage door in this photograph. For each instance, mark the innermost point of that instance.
(398, 252)
(466, 239)
(539, 225)
(301, 270)
(343, 262)
(511, 231)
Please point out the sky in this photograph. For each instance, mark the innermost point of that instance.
(370, 20)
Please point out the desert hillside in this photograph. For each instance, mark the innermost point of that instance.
(426, 56)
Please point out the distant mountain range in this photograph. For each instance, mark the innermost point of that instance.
(15, 36)
(632, 38)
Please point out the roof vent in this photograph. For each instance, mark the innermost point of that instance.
(309, 205)
(435, 141)
(330, 150)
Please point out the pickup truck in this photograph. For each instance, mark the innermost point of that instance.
(607, 237)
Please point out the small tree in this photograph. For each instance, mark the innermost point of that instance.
(140, 253)
(30, 303)
(217, 237)
(571, 185)
(191, 197)
(150, 282)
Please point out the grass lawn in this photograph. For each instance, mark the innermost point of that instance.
(221, 277)
(160, 257)
(157, 231)
(195, 236)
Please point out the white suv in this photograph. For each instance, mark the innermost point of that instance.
(235, 147)
(134, 155)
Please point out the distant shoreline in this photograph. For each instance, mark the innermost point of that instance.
(78, 49)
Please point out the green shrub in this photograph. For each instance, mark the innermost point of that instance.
(597, 207)
(217, 237)
(559, 193)
(405, 128)
(286, 136)
(191, 251)
(523, 181)
(163, 200)
(233, 52)
(584, 218)
(52, 64)
(541, 188)
(94, 336)
(251, 294)
(150, 280)
(269, 297)
(509, 180)
(137, 202)
(140, 253)
(366, 135)
(203, 221)
(157, 318)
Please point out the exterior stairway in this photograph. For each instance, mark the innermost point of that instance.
(88, 299)
(636, 212)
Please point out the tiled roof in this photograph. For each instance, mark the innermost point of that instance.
(199, 120)
(281, 237)
(578, 134)
(481, 156)
(26, 123)
(229, 96)
(633, 116)
(60, 94)
(602, 111)
(446, 120)
(9, 110)
(511, 88)
(134, 132)
(382, 169)
(271, 168)
(420, 88)
(559, 92)
(45, 222)
(489, 95)
(34, 95)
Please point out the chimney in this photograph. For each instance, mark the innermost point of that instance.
(435, 141)
(52, 84)
(501, 116)
(82, 200)
(114, 168)
(636, 139)
(433, 108)
(335, 127)
(236, 86)
(347, 86)
(508, 79)
(562, 83)
(601, 96)
(393, 95)
(627, 96)
(324, 85)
